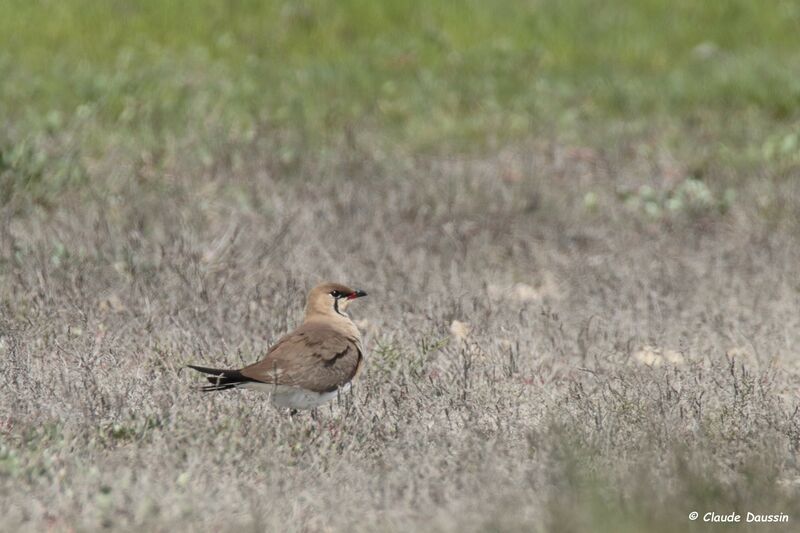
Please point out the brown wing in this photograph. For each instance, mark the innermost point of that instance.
(313, 357)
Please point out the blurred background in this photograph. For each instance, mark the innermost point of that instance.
(715, 83)
(578, 222)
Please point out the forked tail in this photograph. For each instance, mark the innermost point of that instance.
(221, 379)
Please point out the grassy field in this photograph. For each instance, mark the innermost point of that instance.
(578, 223)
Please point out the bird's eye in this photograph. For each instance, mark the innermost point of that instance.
(335, 294)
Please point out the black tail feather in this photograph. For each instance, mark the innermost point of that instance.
(220, 379)
(211, 388)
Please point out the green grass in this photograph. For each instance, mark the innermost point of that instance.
(428, 75)
(604, 194)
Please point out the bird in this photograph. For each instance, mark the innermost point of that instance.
(309, 366)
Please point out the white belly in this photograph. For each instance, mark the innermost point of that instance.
(294, 397)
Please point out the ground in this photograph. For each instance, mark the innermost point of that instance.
(580, 236)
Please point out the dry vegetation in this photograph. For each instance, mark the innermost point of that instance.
(580, 236)
(539, 359)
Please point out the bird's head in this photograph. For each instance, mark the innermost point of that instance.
(328, 298)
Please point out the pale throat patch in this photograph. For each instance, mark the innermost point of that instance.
(340, 305)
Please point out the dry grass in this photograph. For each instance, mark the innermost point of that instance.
(612, 371)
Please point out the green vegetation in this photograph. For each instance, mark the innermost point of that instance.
(426, 74)
(578, 222)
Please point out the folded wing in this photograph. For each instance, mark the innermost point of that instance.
(314, 357)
